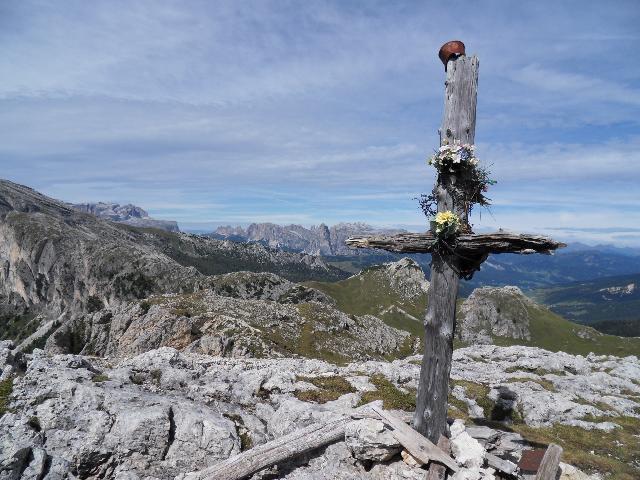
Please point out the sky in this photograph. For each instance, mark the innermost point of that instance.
(215, 112)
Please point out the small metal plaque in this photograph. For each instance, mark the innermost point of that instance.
(531, 460)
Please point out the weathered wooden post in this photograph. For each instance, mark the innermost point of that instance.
(458, 126)
(451, 259)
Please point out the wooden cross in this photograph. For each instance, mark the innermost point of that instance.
(463, 258)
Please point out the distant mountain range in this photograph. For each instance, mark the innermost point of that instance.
(315, 240)
(128, 214)
(58, 262)
(583, 283)
(577, 262)
(607, 303)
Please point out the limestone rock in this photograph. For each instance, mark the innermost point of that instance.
(167, 412)
(493, 311)
(243, 326)
(316, 240)
(128, 214)
(368, 439)
(569, 472)
(44, 250)
(465, 449)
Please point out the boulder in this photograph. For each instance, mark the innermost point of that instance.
(368, 439)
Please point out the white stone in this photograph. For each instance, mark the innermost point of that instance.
(467, 451)
(368, 439)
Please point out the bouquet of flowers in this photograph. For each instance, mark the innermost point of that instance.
(450, 157)
(445, 225)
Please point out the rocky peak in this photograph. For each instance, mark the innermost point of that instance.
(405, 277)
(495, 312)
(315, 240)
(129, 214)
(111, 211)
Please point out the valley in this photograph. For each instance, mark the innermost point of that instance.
(167, 352)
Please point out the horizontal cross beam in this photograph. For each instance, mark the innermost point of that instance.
(466, 245)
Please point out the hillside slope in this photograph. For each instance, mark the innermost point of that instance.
(503, 316)
(395, 292)
(609, 299)
(58, 261)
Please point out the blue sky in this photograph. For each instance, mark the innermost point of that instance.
(306, 112)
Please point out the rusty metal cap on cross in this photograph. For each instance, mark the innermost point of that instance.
(449, 49)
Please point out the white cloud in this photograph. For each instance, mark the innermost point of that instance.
(242, 111)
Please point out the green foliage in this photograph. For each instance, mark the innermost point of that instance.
(211, 259)
(392, 397)
(245, 438)
(6, 387)
(34, 422)
(17, 327)
(94, 304)
(622, 328)
(479, 393)
(369, 293)
(554, 333)
(546, 384)
(329, 389)
(99, 378)
(145, 306)
(133, 285)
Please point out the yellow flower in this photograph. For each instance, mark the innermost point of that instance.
(447, 217)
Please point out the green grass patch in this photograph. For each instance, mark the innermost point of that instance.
(17, 327)
(552, 332)
(479, 393)
(546, 384)
(392, 397)
(245, 438)
(615, 453)
(145, 306)
(99, 378)
(6, 387)
(370, 293)
(329, 389)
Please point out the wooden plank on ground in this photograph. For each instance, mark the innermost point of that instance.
(274, 452)
(550, 462)
(437, 471)
(415, 443)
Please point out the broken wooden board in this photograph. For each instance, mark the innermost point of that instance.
(550, 462)
(437, 471)
(415, 443)
(466, 245)
(504, 466)
(274, 452)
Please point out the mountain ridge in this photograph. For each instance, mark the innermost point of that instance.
(316, 240)
(128, 214)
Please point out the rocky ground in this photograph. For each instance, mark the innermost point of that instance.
(165, 413)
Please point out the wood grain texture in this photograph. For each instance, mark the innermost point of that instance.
(437, 471)
(274, 452)
(550, 462)
(466, 245)
(458, 125)
(415, 443)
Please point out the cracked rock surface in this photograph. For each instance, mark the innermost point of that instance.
(165, 413)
